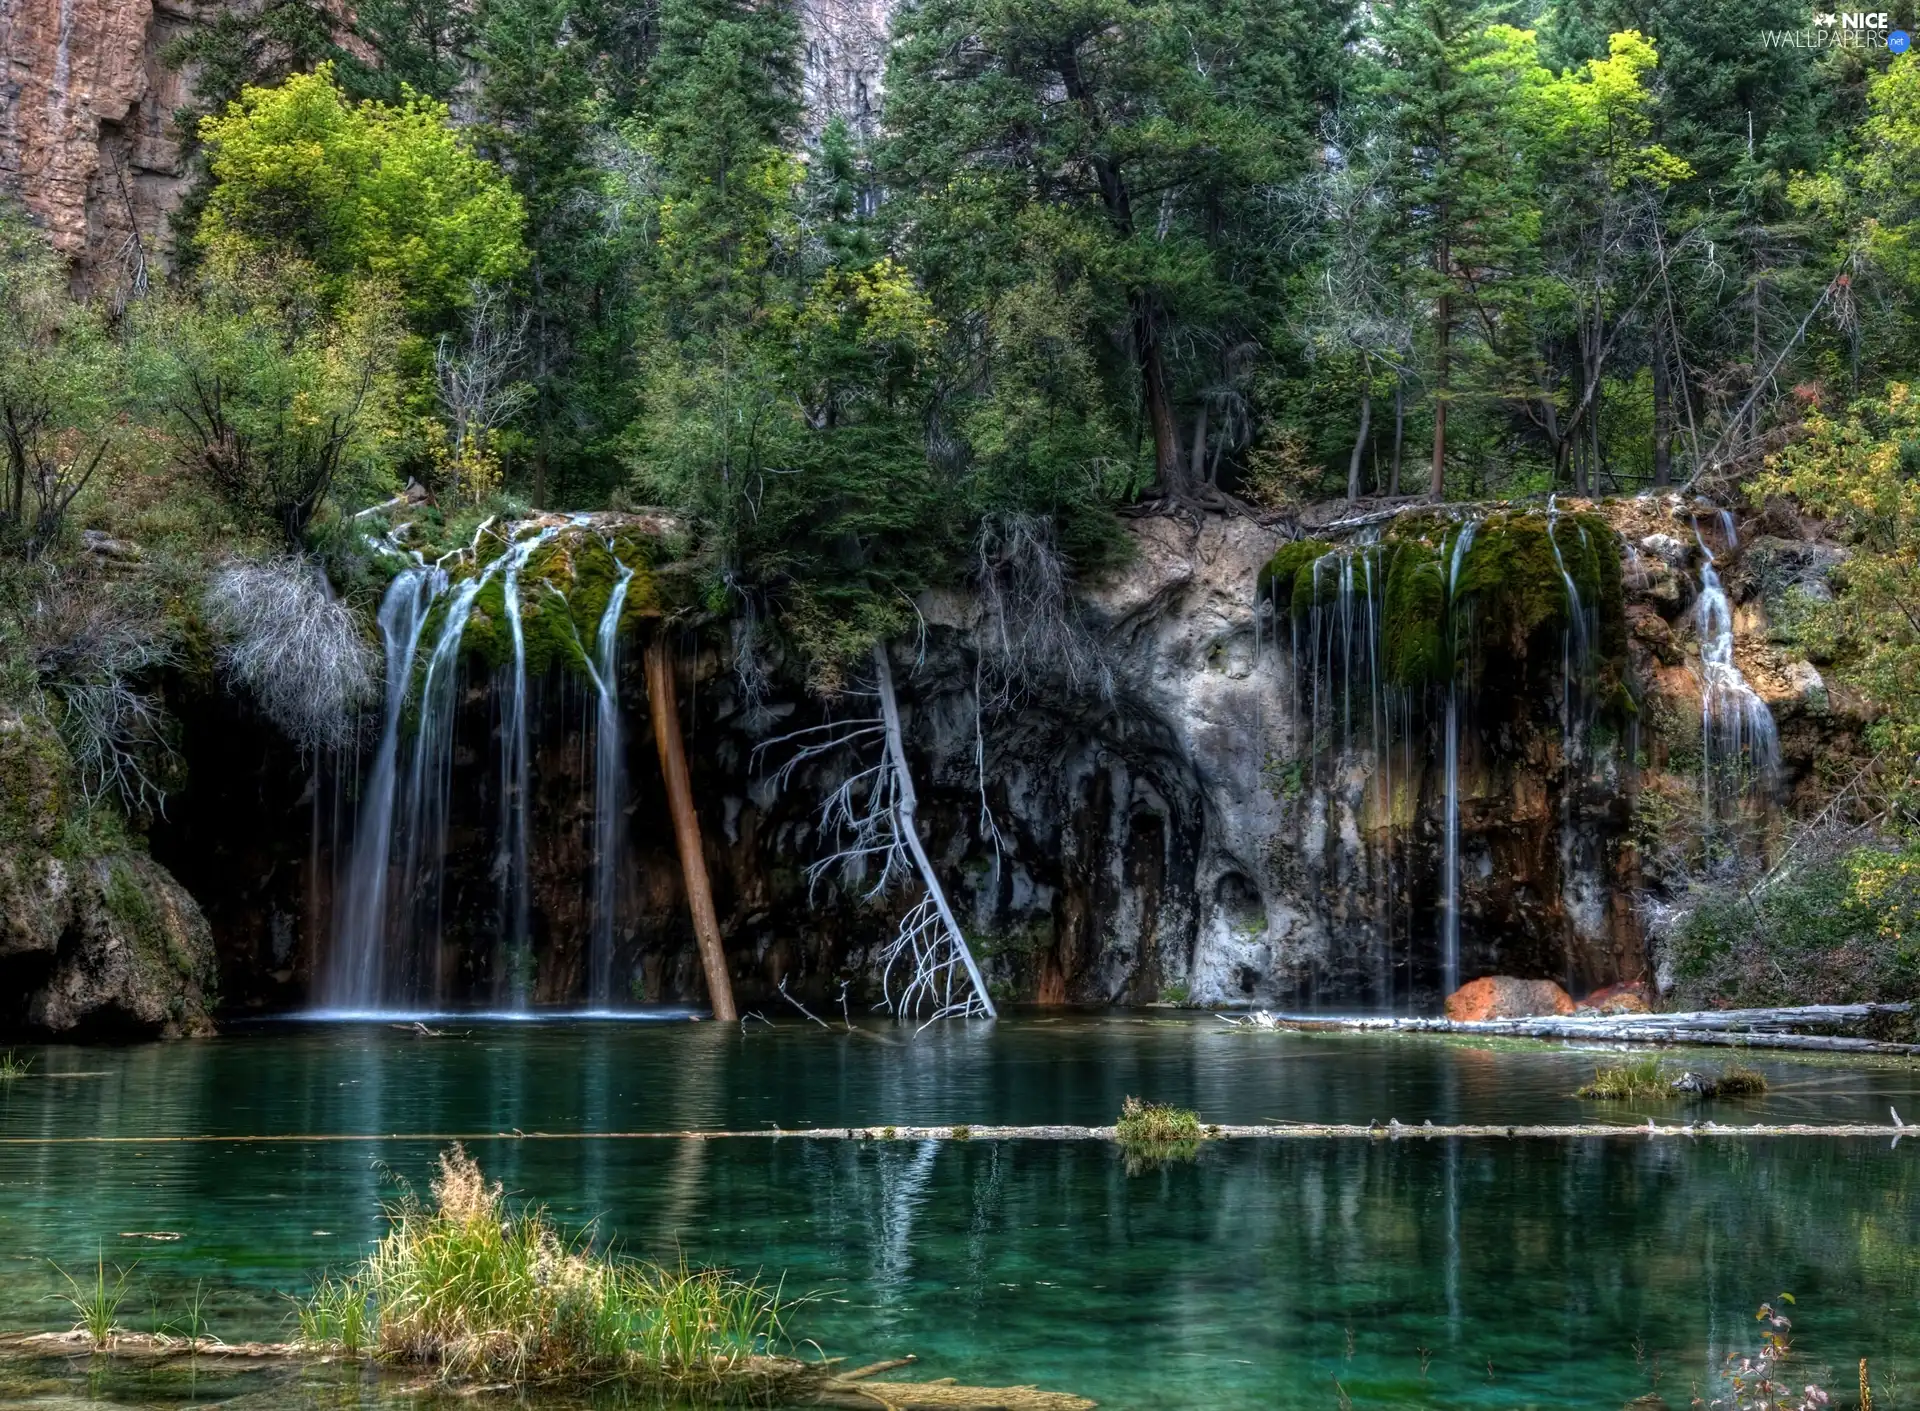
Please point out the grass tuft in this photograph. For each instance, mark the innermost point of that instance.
(1740, 1082)
(12, 1066)
(475, 1290)
(96, 1305)
(1153, 1123)
(1624, 1082)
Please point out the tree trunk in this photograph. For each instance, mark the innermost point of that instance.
(906, 822)
(1662, 411)
(1399, 428)
(1197, 471)
(1168, 471)
(1359, 442)
(1443, 333)
(686, 828)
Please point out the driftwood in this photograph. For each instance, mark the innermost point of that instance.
(808, 1383)
(1725, 1028)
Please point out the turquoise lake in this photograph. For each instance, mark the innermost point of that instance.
(1440, 1272)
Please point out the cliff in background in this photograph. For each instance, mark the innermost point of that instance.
(87, 139)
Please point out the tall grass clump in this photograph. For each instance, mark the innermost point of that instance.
(12, 1066)
(1624, 1082)
(1736, 1081)
(96, 1303)
(464, 1285)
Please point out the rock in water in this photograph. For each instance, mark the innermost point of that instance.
(1504, 997)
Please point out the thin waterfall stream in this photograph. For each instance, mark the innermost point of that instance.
(609, 789)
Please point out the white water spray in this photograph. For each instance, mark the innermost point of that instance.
(1735, 725)
(609, 790)
(354, 976)
(1450, 921)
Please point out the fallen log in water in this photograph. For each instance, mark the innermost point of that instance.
(1725, 1028)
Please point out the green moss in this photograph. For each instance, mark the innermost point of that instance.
(564, 588)
(1416, 642)
(1277, 577)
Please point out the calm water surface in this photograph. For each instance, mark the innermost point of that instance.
(1522, 1273)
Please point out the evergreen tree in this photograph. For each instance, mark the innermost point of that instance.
(1445, 99)
(1114, 158)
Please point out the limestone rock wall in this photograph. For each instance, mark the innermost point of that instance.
(87, 141)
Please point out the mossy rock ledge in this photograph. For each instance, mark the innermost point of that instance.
(567, 581)
(96, 938)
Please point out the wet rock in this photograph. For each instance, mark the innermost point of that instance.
(1505, 997)
(1628, 997)
(136, 958)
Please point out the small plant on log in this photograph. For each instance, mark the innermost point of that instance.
(96, 1303)
(12, 1066)
(1740, 1082)
(1624, 1082)
(1143, 1122)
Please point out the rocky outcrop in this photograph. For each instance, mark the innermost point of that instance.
(1503, 997)
(86, 126)
(1198, 812)
(96, 938)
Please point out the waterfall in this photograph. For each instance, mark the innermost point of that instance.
(609, 790)
(386, 952)
(510, 862)
(1735, 724)
(1450, 919)
(355, 973)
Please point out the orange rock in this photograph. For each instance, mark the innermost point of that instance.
(1628, 997)
(1504, 997)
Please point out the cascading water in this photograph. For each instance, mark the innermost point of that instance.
(355, 974)
(1737, 733)
(510, 862)
(386, 952)
(1450, 919)
(609, 789)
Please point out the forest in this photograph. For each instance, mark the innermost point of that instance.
(1076, 265)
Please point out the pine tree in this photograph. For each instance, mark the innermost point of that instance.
(1443, 99)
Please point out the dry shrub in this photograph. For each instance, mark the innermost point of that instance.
(295, 646)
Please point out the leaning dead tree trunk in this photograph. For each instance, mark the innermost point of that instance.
(686, 829)
(927, 968)
(906, 806)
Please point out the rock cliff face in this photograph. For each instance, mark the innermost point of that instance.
(96, 938)
(86, 136)
(1208, 829)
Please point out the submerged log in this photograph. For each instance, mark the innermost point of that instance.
(686, 828)
(802, 1383)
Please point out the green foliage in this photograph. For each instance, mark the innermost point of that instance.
(361, 190)
(13, 1066)
(1151, 277)
(1834, 929)
(270, 402)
